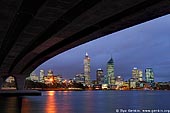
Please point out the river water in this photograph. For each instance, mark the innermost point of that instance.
(89, 102)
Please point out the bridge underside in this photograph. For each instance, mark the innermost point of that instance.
(33, 31)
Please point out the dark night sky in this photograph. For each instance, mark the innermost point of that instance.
(141, 46)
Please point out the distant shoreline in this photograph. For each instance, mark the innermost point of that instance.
(80, 89)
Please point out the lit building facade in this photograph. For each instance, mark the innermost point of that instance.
(42, 74)
(87, 69)
(140, 77)
(110, 79)
(137, 74)
(132, 83)
(79, 78)
(33, 77)
(149, 75)
(99, 76)
(51, 78)
(119, 82)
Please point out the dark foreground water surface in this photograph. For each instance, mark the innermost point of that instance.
(89, 102)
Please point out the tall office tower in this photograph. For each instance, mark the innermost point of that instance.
(140, 76)
(99, 76)
(110, 72)
(42, 74)
(87, 69)
(137, 74)
(149, 75)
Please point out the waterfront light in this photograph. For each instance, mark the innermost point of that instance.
(65, 81)
(51, 80)
(51, 92)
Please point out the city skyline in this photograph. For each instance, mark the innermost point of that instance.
(142, 46)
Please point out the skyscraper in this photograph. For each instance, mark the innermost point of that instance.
(136, 79)
(87, 69)
(42, 74)
(140, 77)
(99, 76)
(137, 74)
(149, 75)
(110, 79)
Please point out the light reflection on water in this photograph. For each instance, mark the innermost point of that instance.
(85, 102)
(10, 104)
(26, 105)
(51, 103)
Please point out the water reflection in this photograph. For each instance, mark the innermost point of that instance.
(26, 106)
(51, 93)
(51, 103)
(85, 102)
(10, 104)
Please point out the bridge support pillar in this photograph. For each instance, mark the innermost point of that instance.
(1, 82)
(20, 82)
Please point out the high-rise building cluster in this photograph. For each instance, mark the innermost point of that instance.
(110, 81)
(50, 78)
(137, 78)
(103, 81)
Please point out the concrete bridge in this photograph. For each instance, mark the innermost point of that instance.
(33, 31)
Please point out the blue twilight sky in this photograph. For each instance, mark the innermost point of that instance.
(144, 45)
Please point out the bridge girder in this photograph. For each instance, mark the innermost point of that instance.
(32, 32)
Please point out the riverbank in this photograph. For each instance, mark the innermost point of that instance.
(58, 89)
